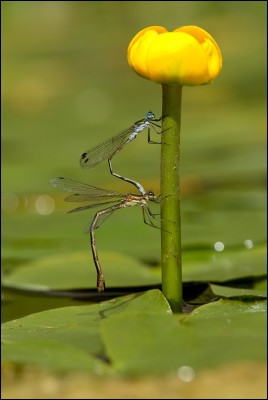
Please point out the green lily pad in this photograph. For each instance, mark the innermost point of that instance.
(261, 284)
(76, 270)
(138, 334)
(49, 354)
(68, 338)
(214, 334)
(227, 291)
(220, 266)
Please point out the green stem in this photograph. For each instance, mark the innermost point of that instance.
(170, 194)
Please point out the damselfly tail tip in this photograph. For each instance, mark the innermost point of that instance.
(100, 285)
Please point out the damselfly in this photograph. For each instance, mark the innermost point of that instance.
(83, 192)
(110, 147)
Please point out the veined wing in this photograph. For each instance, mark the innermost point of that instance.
(83, 191)
(104, 150)
(89, 206)
(102, 217)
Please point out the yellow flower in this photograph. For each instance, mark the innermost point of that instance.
(186, 56)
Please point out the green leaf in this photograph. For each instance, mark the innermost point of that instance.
(138, 334)
(214, 334)
(227, 291)
(77, 271)
(261, 284)
(68, 338)
(220, 266)
(49, 354)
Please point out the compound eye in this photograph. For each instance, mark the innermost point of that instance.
(150, 115)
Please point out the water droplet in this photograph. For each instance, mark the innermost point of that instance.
(248, 244)
(219, 246)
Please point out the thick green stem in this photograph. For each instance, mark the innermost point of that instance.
(170, 194)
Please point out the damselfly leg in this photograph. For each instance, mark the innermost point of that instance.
(83, 192)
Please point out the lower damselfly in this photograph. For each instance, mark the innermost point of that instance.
(110, 147)
(84, 192)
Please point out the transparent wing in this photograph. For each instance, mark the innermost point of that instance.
(104, 150)
(149, 217)
(83, 191)
(94, 197)
(101, 218)
(89, 206)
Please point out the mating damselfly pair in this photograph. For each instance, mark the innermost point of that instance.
(87, 193)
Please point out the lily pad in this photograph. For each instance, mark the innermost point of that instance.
(68, 338)
(138, 334)
(224, 265)
(50, 354)
(214, 334)
(227, 291)
(77, 271)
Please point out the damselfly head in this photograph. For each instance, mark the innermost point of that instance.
(150, 115)
(151, 195)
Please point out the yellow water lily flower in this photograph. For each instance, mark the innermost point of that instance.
(187, 56)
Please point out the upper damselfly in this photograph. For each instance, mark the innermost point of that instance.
(110, 147)
(84, 192)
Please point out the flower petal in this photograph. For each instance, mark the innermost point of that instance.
(138, 48)
(186, 56)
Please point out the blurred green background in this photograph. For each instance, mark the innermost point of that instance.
(66, 86)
